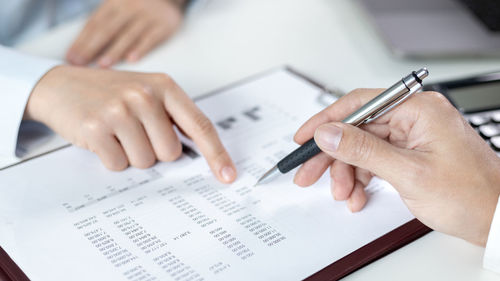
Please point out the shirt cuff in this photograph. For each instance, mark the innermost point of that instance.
(19, 73)
(491, 258)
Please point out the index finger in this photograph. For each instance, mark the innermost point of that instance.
(199, 128)
(339, 110)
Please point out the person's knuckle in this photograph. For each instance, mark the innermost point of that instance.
(435, 95)
(163, 79)
(365, 91)
(173, 152)
(118, 164)
(438, 99)
(116, 110)
(92, 126)
(203, 125)
(140, 94)
(357, 91)
(436, 103)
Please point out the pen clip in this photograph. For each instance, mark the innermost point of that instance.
(417, 87)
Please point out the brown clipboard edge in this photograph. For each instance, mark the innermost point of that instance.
(363, 256)
(10, 268)
(372, 251)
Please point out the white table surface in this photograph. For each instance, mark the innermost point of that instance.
(332, 41)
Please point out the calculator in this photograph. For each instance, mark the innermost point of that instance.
(478, 99)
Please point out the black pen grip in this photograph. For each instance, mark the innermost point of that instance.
(299, 156)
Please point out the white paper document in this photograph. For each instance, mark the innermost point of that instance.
(63, 216)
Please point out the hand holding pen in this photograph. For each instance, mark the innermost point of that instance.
(444, 171)
(370, 111)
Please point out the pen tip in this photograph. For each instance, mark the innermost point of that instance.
(263, 178)
(268, 176)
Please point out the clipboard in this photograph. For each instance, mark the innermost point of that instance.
(378, 248)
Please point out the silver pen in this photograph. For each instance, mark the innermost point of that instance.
(381, 104)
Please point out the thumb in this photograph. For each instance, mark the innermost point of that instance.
(359, 148)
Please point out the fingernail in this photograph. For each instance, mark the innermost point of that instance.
(132, 57)
(228, 174)
(332, 188)
(349, 205)
(328, 137)
(105, 61)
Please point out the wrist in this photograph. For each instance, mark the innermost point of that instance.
(39, 100)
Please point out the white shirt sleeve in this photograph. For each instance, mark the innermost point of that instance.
(491, 259)
(19, 74)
